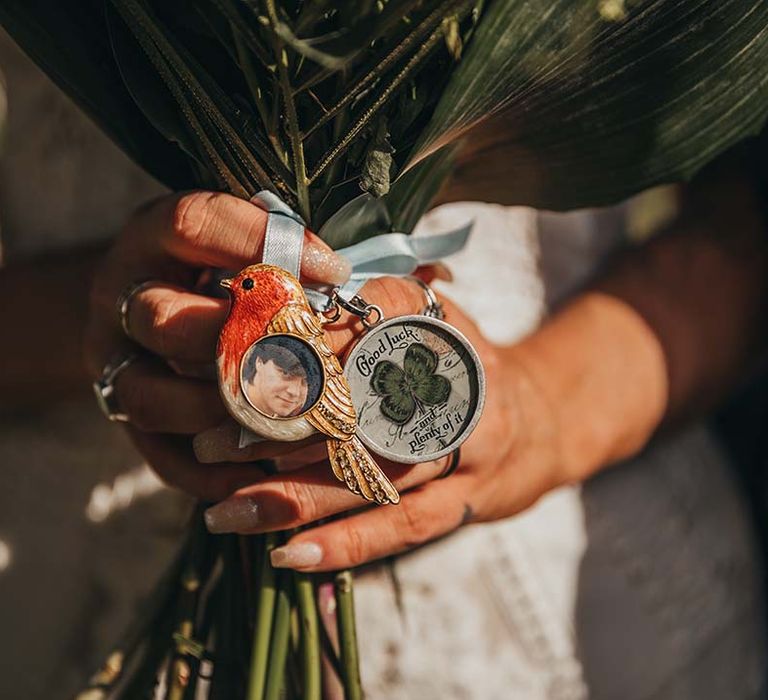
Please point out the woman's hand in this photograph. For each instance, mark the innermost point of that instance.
(171, 240)
(506, 464)
(586, 389)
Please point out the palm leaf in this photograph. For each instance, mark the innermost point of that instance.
(569, 104)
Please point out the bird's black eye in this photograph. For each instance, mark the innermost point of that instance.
(247, 283)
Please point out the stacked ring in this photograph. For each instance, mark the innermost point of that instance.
(453, 464)
(104, 387)
(123, 303)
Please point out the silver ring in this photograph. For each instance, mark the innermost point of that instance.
(376, 312)
(123, 302)
(433, 309)
(453, 464)
(104, 387)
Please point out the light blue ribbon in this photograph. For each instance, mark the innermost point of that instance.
(397, 254)
(388, 254)
(284, 237)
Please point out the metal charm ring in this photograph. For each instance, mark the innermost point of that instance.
(331, 314)
(104, 387)
(433, 309)
(372, 310)
(123, 302)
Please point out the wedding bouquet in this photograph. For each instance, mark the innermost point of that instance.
(356, 113)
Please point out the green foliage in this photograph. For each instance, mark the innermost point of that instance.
(573, 103)
(570, 103)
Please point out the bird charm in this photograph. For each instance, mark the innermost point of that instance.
(279, 378)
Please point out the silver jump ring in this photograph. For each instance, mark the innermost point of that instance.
(331, 314)
(433, 309)
(123, 303)
(453, 464)
(104, 387)
(378, 314)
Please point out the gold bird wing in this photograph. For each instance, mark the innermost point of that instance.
(334, 415)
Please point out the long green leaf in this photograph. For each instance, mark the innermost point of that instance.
(568, 104)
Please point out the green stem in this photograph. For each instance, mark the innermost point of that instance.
(249, 72)
(281, 632)
(263, 628)
(339, 125)
(292, 119)
(184, 83)
(310, 636)
(345, 620)
(226, 618)
(333, 153)
(417, 35)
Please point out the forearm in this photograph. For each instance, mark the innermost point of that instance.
(662, 334)
(43, 308)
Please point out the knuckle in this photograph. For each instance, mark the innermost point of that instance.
(355, 551)
(394, 295)
(165, 326)
(191, 215)
(302, 499)
(415, 528)
(134, 399)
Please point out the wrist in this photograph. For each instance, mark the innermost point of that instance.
(600, 374)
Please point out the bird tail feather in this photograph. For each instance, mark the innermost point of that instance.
(353, 465)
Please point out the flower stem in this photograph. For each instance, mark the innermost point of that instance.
(281, 631)
(263, 628)
(381, 101)
(292, 119)
(249, 73)
(345, 612)
(310, 637)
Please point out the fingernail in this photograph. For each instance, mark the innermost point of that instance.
(296, 556)
(246, 514)
(443, 272)
(321, 263)
(232, 515)
(216, 444)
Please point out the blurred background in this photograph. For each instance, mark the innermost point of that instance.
(631, 580)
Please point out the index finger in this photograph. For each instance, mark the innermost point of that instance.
(215, 229)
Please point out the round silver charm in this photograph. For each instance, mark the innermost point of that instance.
(418, 387)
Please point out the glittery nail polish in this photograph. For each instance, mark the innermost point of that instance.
(296, 556)
(321, 263)
(233, 515)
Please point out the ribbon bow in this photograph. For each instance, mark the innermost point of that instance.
(388, 254)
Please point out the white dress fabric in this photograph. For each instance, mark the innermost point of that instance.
(643, 583)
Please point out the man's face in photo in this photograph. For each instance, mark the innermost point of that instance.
(276, 391)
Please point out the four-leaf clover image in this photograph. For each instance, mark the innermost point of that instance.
(402, 390)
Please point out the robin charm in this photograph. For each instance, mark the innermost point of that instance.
(279, 378)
